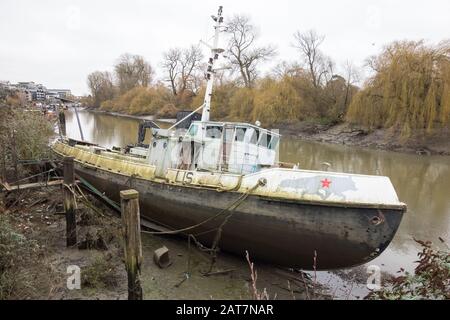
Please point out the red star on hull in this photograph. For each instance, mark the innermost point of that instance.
(325, 183)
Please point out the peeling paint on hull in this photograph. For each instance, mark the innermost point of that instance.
(284, 233)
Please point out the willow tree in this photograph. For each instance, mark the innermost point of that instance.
(242, 103)
(276, 102)
(410, 90)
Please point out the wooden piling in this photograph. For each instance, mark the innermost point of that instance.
(129, 200)
(14, 157)
(62, 122)
(3, 153)
(69, 202)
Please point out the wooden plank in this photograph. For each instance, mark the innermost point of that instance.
(8, 187)
(5, 185)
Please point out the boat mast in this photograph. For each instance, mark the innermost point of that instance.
(211, 62)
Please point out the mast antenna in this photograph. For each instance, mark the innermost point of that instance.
(215, 51)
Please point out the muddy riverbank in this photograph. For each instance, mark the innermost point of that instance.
(345, 134)
(35, 217)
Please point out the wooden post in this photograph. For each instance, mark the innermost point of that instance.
(3, 153)
(62, 122)
(129, 201)
(14, 156)
(69, 202)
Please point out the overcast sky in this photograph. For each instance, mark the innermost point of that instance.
(58, 43)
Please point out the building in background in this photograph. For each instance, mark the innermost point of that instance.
(36, 91)
(59, 93)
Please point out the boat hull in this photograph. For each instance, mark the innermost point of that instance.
(285, 233)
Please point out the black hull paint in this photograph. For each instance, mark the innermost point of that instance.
(279, 232)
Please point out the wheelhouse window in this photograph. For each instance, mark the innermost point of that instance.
(254, 137)
(193, 130)
(264, 139)
(214, 132)
(240, 134)
(274, 142)
(251, 135)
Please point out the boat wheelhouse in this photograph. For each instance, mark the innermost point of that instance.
(230, 147)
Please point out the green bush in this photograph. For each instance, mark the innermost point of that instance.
(430, 280)
(16, 251)
(100, 274)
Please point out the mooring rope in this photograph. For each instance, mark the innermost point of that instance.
(213, 250)
(231, 208)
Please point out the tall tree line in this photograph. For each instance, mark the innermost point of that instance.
(409, 89)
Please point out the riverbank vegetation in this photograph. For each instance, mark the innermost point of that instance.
(430, 280)
(24, 135)
(34, 259)
(407, 92)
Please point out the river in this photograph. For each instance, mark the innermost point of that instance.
(422, 182)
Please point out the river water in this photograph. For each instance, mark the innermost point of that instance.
(422, 182)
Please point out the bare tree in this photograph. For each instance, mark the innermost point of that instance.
(287, 69)
(183, 67)
(101, 86)
(170, 64)
(132, 71)
(190, 62)
(320, 67)
(243, 54)
(352, 76)
(144, 71)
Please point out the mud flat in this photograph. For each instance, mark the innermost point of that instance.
(436, 144)
(36, 216)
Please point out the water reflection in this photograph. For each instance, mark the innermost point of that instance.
(104, 129)
(421, 182)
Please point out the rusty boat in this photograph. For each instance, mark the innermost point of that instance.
(201, 176)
